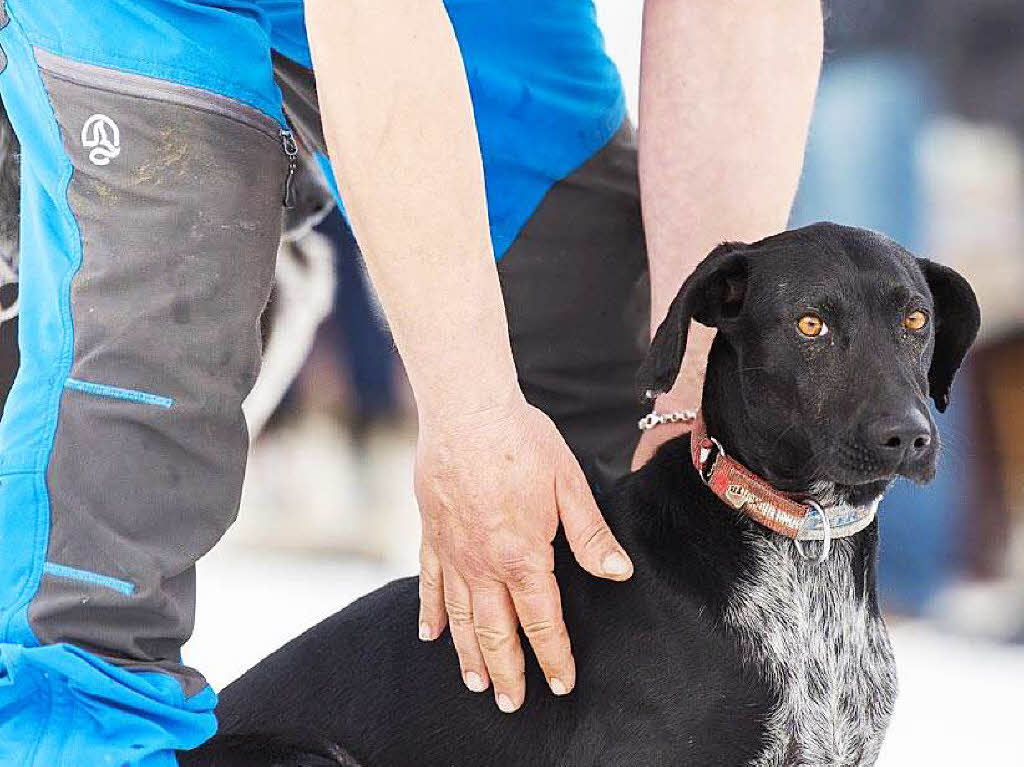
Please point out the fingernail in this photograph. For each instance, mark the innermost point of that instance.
(474, 681)
(615, 564)
(425, 634)
(505, 703)
(557, 686)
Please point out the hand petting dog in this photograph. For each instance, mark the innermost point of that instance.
(487, 562)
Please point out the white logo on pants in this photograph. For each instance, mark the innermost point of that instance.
(102, 137)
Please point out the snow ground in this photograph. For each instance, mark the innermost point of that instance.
(959, 704)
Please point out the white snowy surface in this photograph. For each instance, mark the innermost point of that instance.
(959, 704)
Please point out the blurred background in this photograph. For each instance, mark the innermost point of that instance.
(919, 133)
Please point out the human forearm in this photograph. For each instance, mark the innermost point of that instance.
(492, 489)
(399, 123)
(726, 93)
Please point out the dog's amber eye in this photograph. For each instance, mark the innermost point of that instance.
(915, 320)
(811, 325)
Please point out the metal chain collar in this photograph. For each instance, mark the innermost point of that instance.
(651, 420)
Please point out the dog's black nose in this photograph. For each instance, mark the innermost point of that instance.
(908, 434)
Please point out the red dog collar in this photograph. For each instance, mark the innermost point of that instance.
(741, 489)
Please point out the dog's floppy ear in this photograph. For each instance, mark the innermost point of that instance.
(957, 319)
(711, 294)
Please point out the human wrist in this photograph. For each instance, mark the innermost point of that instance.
(456, 410)
(677, 400)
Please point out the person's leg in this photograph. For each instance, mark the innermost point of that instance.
(152, 179)
(575, 279)
(576, 291)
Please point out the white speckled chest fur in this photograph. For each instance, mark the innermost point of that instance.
(825, 651)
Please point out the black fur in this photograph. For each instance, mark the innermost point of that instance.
(296, 749)
(957, 319)
(715, 284)
(662, 679)
(657, 684)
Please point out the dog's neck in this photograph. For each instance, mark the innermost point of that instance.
(683, 535)
(797, 517)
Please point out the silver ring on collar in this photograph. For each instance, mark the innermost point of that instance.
(826, 528)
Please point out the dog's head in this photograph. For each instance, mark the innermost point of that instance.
(830, 339)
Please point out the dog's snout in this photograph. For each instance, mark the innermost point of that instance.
(907, 434)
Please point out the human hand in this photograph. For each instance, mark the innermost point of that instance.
(492, 489)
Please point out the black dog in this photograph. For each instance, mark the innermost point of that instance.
(728, 646)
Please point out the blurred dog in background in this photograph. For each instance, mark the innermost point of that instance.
(10, 175)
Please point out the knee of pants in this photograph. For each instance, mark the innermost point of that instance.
(151, 218)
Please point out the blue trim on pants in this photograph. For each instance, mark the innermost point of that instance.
(116, 392)
(51, 253)
(76, 574)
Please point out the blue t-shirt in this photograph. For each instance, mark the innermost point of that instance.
(545, 94)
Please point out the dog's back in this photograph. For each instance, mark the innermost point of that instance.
(724, 648)
(659, 682)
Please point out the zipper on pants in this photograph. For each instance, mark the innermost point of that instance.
(292, 153)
